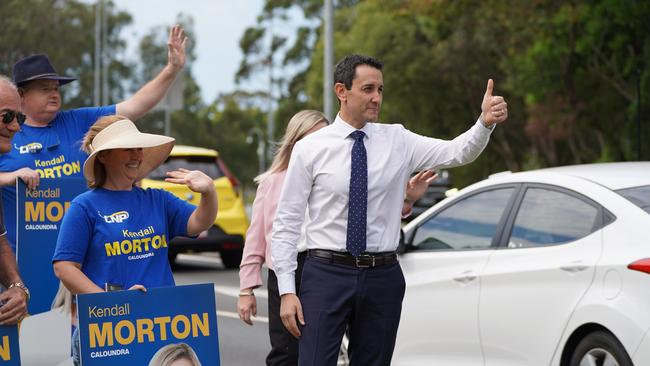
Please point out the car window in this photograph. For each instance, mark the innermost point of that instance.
(640, 196)
(467, 224)
(206, 164)
(548, 217)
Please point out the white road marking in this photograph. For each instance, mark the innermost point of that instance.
(230, 314)
(200, 258)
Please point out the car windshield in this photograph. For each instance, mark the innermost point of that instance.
(640, 196)
(206, 164)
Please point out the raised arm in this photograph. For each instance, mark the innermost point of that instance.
(205, 213)
(152, 92)
(430, 153)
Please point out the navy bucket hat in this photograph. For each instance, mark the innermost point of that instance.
(37, 67)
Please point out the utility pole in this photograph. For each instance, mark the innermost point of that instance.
(98, 31)
(271, 117)
(261, 147)
(638, 115)
(270, 126)
(105, 54)
(328, 21)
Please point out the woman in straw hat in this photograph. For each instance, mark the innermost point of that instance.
(116, 235)
(284, 346)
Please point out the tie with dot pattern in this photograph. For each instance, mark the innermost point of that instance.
(358, 204)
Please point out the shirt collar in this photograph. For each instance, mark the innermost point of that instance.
(344, 129)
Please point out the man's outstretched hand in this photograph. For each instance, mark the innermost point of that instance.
(494, 109)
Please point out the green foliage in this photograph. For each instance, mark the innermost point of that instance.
(569, 71)
(229, 120)
(222, 125)
(64, 30)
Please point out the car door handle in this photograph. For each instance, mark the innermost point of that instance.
(466, 277)
(574, 267)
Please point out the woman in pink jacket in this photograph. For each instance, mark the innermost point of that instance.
(257, 251)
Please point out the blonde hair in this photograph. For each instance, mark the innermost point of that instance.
(63, 299)
(297, 128)
(174, 352)
(86, 146)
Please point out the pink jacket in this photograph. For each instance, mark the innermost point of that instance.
(257, 248)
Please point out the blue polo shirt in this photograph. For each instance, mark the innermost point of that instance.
(122, 237)
(54, 151)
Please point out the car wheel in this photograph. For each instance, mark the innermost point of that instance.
(231, 258)
(600, 348)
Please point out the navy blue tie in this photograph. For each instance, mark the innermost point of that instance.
(358, 204)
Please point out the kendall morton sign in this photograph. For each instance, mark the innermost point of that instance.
(40, 212)
(9, 353)
(131, 327)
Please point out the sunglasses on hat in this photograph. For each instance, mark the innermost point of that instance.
(9, 115)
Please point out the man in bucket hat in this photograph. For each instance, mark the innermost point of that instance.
(48, 144)
(13, 301)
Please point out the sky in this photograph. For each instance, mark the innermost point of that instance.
(218, 25)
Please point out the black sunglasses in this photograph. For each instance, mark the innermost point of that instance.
(9, 115)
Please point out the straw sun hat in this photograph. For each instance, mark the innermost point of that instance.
(124, 135)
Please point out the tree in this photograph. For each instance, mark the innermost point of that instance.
(63, 29)
(568, 70)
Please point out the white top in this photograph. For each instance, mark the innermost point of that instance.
(318, 179)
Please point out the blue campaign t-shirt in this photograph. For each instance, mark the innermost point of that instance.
(122, 237)
(53, 151)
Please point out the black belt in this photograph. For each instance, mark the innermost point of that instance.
(365, 260)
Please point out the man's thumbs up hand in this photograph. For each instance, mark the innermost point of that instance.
(494, 109)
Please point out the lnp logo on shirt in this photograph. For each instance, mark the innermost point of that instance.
(31, 148)
(117, 217)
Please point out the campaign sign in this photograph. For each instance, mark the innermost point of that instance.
(40, 213)
(9, 353)
(142, 328)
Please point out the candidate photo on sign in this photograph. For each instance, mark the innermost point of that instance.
(175, 354)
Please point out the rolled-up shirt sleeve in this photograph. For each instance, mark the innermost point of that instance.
(289, 218)
(432, 153)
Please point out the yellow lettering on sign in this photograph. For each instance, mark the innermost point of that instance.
(39, 211)
(101, 338)
(34, 212)
(143, 330)
(5, 352)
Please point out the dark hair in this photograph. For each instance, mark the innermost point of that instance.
(346, 69)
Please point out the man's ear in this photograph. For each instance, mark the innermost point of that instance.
(340, 90)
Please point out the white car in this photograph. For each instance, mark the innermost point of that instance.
(547, 267)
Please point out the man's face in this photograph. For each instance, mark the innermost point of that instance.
(9, 102)
(41, 100)
(362, 102)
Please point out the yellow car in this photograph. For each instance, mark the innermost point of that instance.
(229, 230)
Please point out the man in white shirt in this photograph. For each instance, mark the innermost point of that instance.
(351, 177)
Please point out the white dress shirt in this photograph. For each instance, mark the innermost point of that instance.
(318, 179)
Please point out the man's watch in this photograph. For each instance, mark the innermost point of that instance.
(21, 286)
